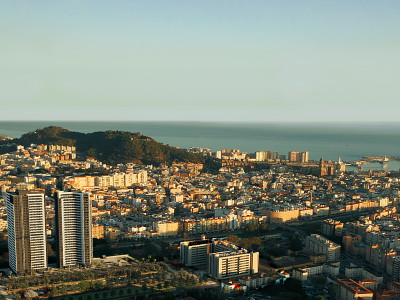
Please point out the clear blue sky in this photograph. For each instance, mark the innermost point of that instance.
(200, 60)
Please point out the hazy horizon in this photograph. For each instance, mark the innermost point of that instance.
(200, 61)
(23, 126)
(328, 140)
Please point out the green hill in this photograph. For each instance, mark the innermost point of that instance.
(114, 147)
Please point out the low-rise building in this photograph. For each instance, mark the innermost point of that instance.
(254, 281)
(304, 273)
(349, 289)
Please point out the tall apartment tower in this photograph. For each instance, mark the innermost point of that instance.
(26, 231)
(294, 156)
(304, 157)
(74, 229)
(263, 155)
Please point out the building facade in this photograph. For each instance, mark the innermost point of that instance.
(228, 264)
(330, 227)
(322, 245)
(195, 253)
(26, 231)
(74, 229)
(222, 259)
(349, 289)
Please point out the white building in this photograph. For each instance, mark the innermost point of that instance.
(74, 228)
(229, 264)
(304, 273)
(165, 228)
(254, 281)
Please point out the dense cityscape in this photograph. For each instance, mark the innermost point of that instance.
(264, 225)
(200, 150)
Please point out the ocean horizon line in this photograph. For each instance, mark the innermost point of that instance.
(200, 121)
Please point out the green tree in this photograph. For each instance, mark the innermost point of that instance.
(295, 243)
(233, 239)
(91, 152)
(250, 228)
(264, 226)
(53, 291)
(63, 289)
(84, 285)
(294, 287)
(256, 241)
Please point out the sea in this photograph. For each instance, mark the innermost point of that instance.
(349, 141)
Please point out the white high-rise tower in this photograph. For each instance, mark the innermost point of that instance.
(74, 229)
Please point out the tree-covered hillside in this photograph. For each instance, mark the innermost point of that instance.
(114, 147)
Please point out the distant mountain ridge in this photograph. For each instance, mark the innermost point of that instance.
(114, 147)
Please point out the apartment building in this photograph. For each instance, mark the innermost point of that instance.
(332, 227)
(74, 228)
(26, 231)
(105, 181)
(349, 289)
(294, 156)
(195, 253)
(228, 264)
(263, 155)
(165, 228)
(322, 245)
(304, 157)
(304, 273)
(223, 259)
